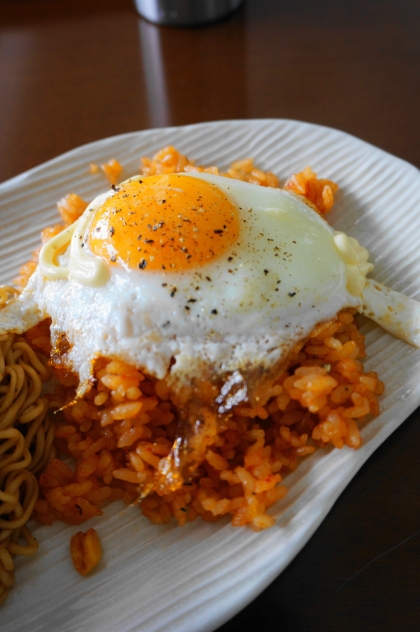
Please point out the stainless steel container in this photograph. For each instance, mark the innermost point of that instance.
(185, 12)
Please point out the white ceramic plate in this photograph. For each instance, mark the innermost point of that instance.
(193, 579)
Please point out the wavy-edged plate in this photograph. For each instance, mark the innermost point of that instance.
(192, 579)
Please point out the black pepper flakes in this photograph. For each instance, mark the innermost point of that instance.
(142, 264)
(292, 293)
(214, 311)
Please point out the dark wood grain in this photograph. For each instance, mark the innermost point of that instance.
(74, 72)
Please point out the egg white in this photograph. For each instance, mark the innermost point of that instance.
(248, 308)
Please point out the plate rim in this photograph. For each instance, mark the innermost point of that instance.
(190, 126)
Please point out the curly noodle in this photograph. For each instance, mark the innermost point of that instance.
(26, 445)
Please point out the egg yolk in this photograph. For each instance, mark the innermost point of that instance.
(165, 222)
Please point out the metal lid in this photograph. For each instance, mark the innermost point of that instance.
(185, 12)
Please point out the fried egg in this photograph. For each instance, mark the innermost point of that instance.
(191, 274)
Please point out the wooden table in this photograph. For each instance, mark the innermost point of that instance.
(74, 72)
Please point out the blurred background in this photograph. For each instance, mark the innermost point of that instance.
(72, 72)
(76, 71)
